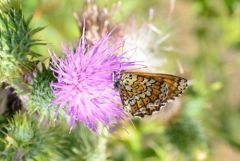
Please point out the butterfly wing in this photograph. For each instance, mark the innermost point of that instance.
(144, 93)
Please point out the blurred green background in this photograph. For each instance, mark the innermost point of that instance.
(205, 39)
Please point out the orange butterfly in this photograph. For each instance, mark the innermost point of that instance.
(143, 93)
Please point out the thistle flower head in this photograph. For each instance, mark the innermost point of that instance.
(20, 128)
(16, 34)
(97, 21)
(84, 86)
(41, 95)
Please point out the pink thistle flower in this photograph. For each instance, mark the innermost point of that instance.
(84, 87)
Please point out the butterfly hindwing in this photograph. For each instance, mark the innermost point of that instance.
(176, 85)
(144, 93)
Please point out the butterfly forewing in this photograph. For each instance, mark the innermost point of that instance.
(144, 93)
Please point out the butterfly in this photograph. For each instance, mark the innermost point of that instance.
(144, 93)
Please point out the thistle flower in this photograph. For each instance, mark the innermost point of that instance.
(41, 95)
(23, 139)
(16, 34)
(84, 86)
(150, 43)
(98, 21)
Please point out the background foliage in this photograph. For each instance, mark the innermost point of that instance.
(205, 39)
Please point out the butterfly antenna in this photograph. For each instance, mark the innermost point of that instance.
(143, 67)
(120, 67)
(180, 67)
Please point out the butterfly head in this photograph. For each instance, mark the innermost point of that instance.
(116, 81)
